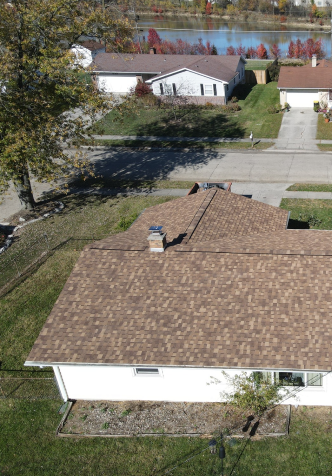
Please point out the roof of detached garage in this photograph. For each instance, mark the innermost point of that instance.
(234, 288)
(219, 67)
(306, 77)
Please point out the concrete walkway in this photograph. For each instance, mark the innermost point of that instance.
(298, 130)
(269, 193)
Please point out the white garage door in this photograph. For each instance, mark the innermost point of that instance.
(302, 98)
(116, 83)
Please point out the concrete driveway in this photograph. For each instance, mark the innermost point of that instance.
(298, 130)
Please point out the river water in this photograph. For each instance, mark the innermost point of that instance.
(223, 33)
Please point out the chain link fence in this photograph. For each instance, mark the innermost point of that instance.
(18, 260)
(30, 388)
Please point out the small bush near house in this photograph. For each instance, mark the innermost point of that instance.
(231, 107)
(142, 89)
(283, 19)
(234, 99)
(274, 109)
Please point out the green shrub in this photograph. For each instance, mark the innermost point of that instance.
(274, 71)
(274, 109)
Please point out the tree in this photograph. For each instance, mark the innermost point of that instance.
(230, 51)
(240, 50)
(275, 51)
(153, 38)
(208, 8)
(252, 392)
(261, 52)
(40, 81)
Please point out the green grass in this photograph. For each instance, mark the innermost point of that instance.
(28, 446)
(324, 131)
(128, 184)
(199, 122)
(310, 187)
(189, 144)
(315, 214)
(325, 147)
(257, 65)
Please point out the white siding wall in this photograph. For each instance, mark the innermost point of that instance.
(188, 84)
(116, 83)
(174, 384)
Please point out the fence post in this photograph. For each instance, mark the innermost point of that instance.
(46, 239)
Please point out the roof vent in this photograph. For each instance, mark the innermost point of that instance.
(314, 61)
(157, 239)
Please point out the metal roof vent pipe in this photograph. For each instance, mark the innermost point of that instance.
(153, 51)
(314, 61)
(157, 239)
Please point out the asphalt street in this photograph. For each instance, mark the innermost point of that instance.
(274, 168)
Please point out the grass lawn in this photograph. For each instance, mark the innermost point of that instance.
(193, 145)
(204, 122)
(310, 187)
(324, 130)
(324, 147)
(257, 65)
(315, 214)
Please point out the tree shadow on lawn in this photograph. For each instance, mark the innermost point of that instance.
(193, 122)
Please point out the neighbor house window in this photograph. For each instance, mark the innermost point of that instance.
(174, 89)
(146, 371)
(161, 89)
(214, 89)
(208, 89)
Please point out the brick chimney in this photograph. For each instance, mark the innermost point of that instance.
(314, 61)
(157, 239)
(153, 51)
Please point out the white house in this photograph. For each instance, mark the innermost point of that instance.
(86, 52)
(157, 315)
(207, 78)
(300, 86)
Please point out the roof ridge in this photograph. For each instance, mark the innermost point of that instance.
(198, 215)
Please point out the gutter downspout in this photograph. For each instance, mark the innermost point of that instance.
(61, 385)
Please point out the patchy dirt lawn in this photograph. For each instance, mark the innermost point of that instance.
(146, 418)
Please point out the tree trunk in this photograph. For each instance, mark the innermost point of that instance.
(24, 191)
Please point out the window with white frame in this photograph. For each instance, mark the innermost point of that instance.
(208, 89)
(291, 379)
(146, 371)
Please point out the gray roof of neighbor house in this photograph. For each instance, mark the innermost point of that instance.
(234, 289)
(306, 77)
(219, 67)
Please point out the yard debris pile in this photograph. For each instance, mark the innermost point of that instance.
(148, 418)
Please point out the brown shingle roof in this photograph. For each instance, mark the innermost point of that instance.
(219, 67)
(306, 76)
(192, 306)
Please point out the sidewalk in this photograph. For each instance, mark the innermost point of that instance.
(280, 143)
(269, 193)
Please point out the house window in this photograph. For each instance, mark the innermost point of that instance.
(290, 379)
(174, 89)
(202, 90)
(168, 89)
(144, 371)
(161, 89)
(214, 89)
(314, 379)
(208, 89)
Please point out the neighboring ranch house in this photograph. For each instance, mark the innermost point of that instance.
(86, 52)
(300, 86)
(206, 78)
(149, 316)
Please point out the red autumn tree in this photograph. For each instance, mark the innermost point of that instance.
(275, 51)
(208, 8)
(261, 52)
(251, 53)
(231, 51)
(153, 38)
(240, 50)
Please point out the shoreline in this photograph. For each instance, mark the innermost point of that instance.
(255, 18)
